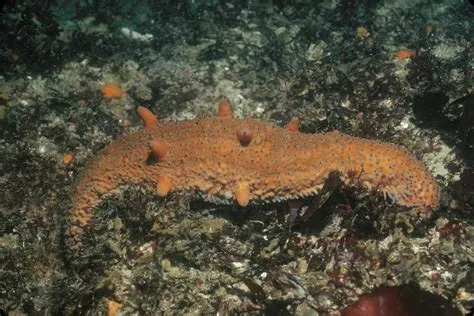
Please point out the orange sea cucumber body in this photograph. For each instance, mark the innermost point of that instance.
(205, 155)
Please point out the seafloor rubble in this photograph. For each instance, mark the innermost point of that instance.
(73, 73)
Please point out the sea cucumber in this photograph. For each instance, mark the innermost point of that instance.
(223, 159)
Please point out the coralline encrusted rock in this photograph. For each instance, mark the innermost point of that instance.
(222, 158)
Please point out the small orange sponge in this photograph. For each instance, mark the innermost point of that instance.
(405, 54)
(112, 90)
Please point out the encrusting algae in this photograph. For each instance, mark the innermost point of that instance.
(224, 159)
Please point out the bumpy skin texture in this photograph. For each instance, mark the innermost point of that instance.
(211, 157)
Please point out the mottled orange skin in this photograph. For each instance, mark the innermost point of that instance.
(205, 155)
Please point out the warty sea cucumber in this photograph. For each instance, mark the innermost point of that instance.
(249, 160)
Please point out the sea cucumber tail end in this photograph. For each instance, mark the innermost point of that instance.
(388, 169)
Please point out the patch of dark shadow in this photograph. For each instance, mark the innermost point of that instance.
(231, 212)
(115, 221)
(273, 57)
(317, 201)
(423, 73)
(213, 52)
(462, 191)
(91, 257)
(465, 126)
(158, 86)
(297, 86)
(379, 129)
(74, 295)
(151, 160)
(377, 217)
(148, 279)
(385, 87)
(107, 238)
(280, 117)
(136, 213)
(369, 218)
(258, 293)
(33, 36)
(186, 96)
(362, 215)
(267, 213)
(173, 100)
(467, 104)
(246, 224)
(467, 147)
(468, 282)
(257, 213)
(352, 12)
(99, 117)
(30, 35)
(15, 279)
(344, 85)
(277, 307)
(430, 110)
(455, 118)
(319, 263)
